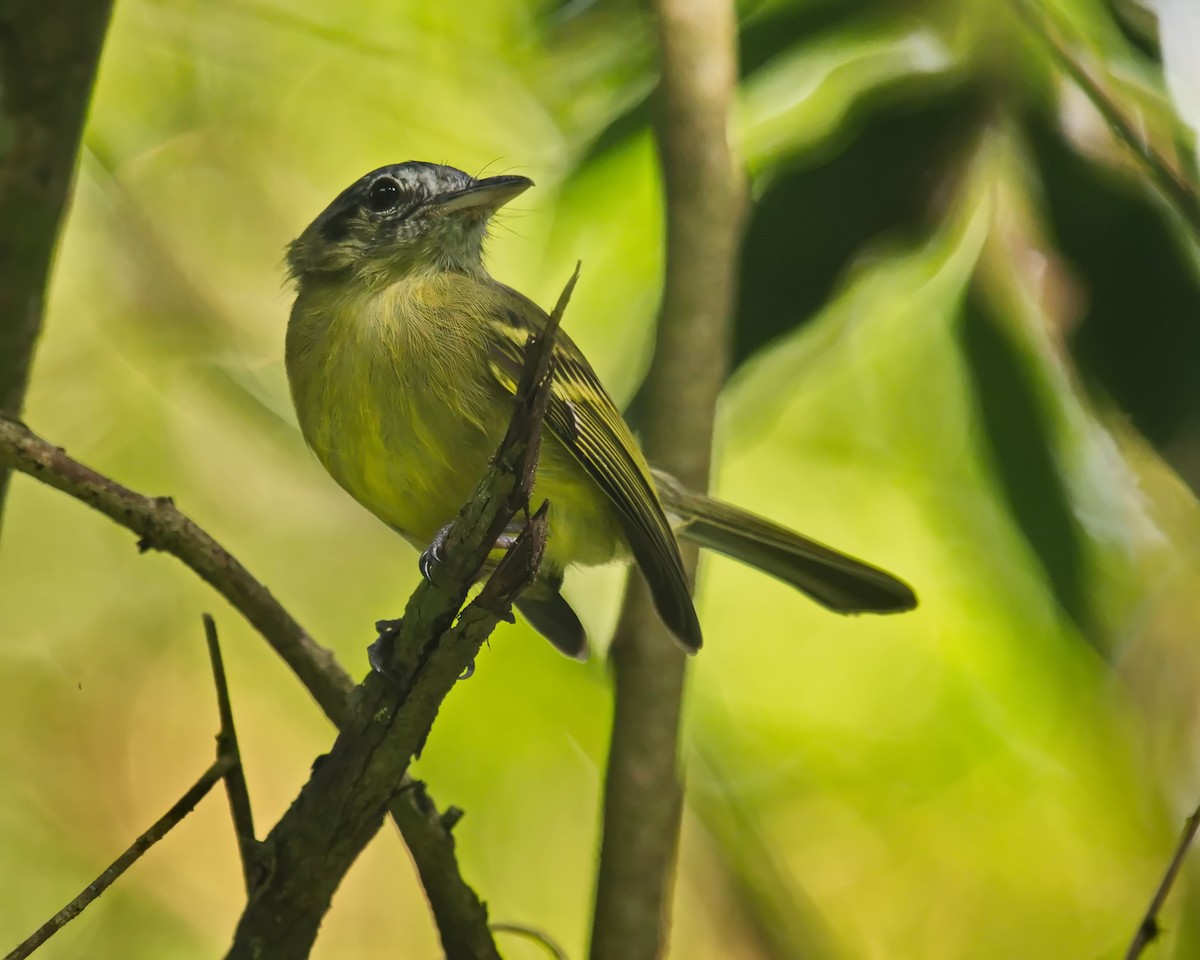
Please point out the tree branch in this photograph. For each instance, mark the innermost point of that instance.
(460, 916)
(341, 807)
(1148, 930)
(160, 829)
(705, 196)
(49, 50)
(161, 526)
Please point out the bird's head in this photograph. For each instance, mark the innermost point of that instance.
(402, 218)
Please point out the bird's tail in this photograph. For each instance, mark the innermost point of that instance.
(833, 579)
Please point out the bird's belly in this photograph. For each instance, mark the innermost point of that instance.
(413, 455)
(410, 461)
(583, 524)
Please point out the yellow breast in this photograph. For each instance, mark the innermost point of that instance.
(395, 395)
(391, 392)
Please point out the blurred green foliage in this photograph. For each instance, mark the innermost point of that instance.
(967, 347)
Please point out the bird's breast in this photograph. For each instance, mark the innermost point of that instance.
(394, 395)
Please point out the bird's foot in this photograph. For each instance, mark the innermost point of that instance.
(380, 651)
(507, 540)
(433, 553)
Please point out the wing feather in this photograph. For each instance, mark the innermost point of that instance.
(585, 420)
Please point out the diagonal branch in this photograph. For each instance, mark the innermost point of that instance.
(460, 915)
(227, 767)
(341, 807)
(643, 799)
(161, 827)
(49, 50)
(161, 526)
(1148, 930)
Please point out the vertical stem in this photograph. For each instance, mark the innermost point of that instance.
(236, 790)
(49, 51)
(705, 196)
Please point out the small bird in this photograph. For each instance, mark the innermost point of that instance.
(403, 355)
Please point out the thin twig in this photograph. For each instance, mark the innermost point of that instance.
(160, 829)
(49, 51)
(340, 809)
(235, 779)
(1148, 930)
(705, 193)
(533, 933)
(460, 915)
(1178, 190)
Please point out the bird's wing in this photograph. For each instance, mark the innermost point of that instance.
(584, 419)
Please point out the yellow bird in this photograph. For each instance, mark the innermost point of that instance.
(403, 355)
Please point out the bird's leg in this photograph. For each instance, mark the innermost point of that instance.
(432, 554)
(506, 541)
(508, 537)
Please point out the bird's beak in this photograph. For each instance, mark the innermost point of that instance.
(489, 194)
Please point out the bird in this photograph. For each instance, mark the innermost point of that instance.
(403, 355)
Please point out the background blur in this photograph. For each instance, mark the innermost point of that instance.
(967, 351)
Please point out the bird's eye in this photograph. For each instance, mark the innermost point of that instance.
(384, 195)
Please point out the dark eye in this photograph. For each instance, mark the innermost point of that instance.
(384, 195)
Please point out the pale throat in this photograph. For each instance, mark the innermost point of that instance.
(456, 246)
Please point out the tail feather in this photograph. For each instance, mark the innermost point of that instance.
(550, 615)
(833, 579)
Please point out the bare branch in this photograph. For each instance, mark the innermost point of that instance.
(49, 50)
(235, 779)
(341, 807)
(1148, 929)
(705, 203)
(161, 526)
(160, 829)
(460, 915)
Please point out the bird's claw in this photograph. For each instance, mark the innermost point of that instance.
(429, 559)
(432, 556)
(469, 672)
